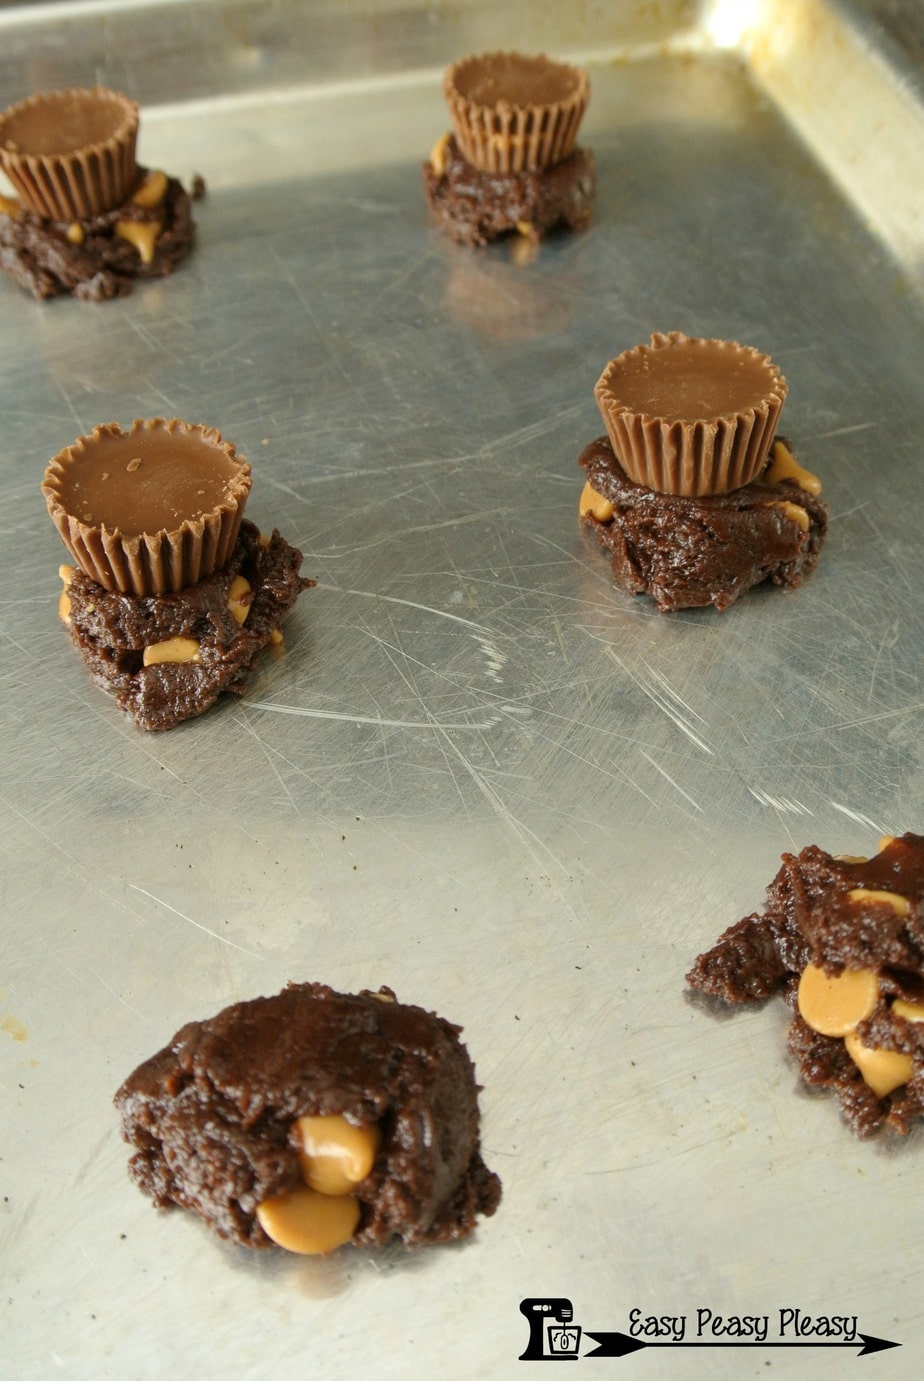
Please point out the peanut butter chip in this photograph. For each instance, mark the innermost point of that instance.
(883, 1070)
(835, 1006)
(64, 600)
(784, 466)
(240, 598)
(911, 1011)
(152, 190)
(438, 155)
(336, 1155)
(9, 206)
(851, 858)
(885, 841)
(307, 1222)
(900, 905)
(172, 650)
(275, 636)
(794, 513)
(595, 504)
(141, 234)
(75, 233)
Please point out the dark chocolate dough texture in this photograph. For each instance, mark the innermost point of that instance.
(111, 630)
(810, 918)
(39, 256)
(475, 207)
(211, 1115)
(693, 552)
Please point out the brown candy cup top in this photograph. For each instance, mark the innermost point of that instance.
(691, 416)
(58, 122)
(151, 509)
(70, 154)
(513, 79)
(513, 112)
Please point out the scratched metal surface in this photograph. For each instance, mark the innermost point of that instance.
(479, 773)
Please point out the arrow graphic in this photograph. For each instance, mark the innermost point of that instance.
(622, 1344)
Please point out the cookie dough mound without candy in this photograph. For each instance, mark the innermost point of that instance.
(842, 939)
(216, 1117)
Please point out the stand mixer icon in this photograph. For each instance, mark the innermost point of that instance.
(557, 1343)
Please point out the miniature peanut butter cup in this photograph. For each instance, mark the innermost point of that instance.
(690, 416)
(71, 154)
(151, 510)
(513, 113)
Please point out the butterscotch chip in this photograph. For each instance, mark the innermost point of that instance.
(836, 1004)
(795, 514)
(860, 895)
(142, 234)
(309, 1223)
(171, 650)
(152, 190)
(595, 504)
(438, 155)
(883, 1070)
(910, 1011)
(784, 466)
(336, 1155)
(240, 598)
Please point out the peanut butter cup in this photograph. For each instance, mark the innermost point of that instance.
(150, 510)
(513, 113)
(689, 416)
(70, 154)
(511, 164)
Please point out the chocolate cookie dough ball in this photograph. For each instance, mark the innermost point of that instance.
(842, 939)
(312, 1119)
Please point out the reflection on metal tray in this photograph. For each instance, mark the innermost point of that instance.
(479, 774)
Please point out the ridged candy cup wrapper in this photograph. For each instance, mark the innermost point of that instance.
(70, 155)
(691, 416)
(151, 510)
(513, 113)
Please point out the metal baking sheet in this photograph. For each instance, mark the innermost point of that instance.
(479, 773)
